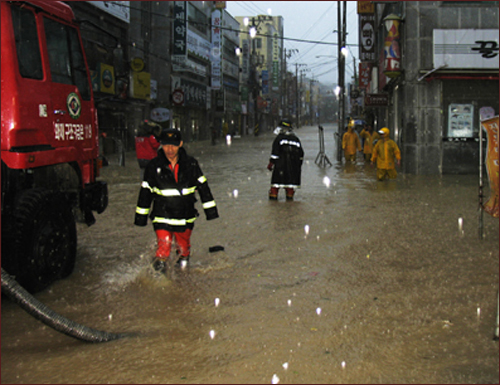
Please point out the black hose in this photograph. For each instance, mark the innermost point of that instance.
(41, 312)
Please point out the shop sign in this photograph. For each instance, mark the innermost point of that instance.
(216, 49)
(198, 46)
(366, 7)
(365, 70)
(265, 82)
(245, 62)
(137, 64)
(367, 37)
(140, 85)
(118, 9)
(180, 29)
(160, 114)
(466, 48)
(376, 100)
(188, 94)
(106, 78)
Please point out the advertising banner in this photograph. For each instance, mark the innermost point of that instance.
(491, 128)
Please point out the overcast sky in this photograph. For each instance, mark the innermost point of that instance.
(313, 21)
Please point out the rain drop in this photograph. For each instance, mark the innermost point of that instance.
(326, 181)
(289, 302)
(217, 301)
(318, 311)
(228, 140)
(461, 226)
(306, 229)
(343, 364)
(235, 193)
(212, 334)
(285, 365)
(275, 379)
(110, 317)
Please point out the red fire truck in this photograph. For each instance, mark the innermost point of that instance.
(50, 154)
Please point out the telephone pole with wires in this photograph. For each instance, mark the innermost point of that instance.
(341, 22)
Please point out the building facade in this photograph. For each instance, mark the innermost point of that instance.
(426, 70)
(261, 63)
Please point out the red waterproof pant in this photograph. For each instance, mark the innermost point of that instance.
(165, 238)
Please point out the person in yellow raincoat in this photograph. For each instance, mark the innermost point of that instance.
(369, 135)
(350, 143)
(386, 153)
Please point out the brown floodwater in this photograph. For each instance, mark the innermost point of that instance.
(355, 281)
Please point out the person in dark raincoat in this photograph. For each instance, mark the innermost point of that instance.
(170, 182)
(285, 162)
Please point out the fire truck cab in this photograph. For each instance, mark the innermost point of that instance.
(49, 146)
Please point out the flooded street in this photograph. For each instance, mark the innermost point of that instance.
(356, 281)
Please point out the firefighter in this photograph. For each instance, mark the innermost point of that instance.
(170, 182)
(285, 162)
(386, 153)
(350, 143)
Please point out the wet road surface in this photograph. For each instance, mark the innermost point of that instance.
(355, 281)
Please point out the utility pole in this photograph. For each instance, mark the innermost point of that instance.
(287, 55)
(341, 68)
(297, 93)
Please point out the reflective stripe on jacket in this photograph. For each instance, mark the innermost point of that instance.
(173, 201)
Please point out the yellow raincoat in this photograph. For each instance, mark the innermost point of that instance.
(385, 152)
(350, 143)
(369, 139)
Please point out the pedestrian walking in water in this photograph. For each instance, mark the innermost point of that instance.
(350, 143)
(386, 153)
(170, 182)
(285, 162)
(369, 136)
(146, 144)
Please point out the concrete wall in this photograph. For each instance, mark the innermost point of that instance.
(422, 104)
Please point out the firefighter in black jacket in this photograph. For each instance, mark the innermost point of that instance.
(170, 182)
(286, 160)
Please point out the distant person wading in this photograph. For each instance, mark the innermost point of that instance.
(285, 162)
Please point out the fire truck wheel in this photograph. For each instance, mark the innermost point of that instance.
(46, 240)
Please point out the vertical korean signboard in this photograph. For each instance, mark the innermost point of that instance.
(179, 52)
(276, 58)
(366, 11)
(216, 49)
